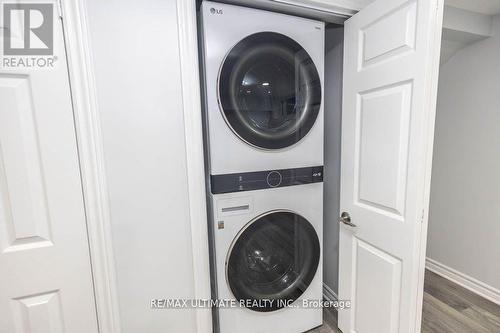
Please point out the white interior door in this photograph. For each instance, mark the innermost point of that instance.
(390, 74)
(45, 273)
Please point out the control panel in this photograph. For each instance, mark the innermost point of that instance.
(248, 181)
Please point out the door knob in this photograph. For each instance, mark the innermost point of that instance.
(346, 219)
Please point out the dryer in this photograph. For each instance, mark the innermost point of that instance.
(263, 75)
(267, 247)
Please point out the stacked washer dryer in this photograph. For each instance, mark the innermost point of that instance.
(264, 142)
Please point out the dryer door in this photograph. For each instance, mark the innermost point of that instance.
(274, 258)
(269, 90)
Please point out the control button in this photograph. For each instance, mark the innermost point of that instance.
(274, 179)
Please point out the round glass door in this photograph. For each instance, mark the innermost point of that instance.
(269, 90)
(274, 258)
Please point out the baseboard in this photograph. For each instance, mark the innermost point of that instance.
(329, 294)
(470, 283)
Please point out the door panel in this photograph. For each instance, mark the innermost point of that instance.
(45, 273)
(39, 313)
(377, 45)
(390, 51)
(382, 301)
(26, 220)
(383, 154)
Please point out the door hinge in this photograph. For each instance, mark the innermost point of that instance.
(422, 217)
(59, 8)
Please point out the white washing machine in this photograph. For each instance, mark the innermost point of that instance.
(267, 252)
(263, 89)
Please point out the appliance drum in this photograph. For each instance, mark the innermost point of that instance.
(269, 90)
(274, 258)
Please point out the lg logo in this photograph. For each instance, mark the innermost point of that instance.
(28, 29)
(215, 11)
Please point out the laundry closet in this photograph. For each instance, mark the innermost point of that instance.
(317, 150)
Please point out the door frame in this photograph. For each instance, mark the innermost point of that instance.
(428, 127)
(91, 160)
(187, 26)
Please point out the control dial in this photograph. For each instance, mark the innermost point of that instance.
(274, 179)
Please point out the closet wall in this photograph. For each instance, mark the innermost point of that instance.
(137, 68)
(464, 221)
(334, 47)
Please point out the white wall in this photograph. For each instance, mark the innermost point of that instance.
(464, 222)
(136, 60)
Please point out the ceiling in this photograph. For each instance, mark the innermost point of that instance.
(466, 22)
(488, 7)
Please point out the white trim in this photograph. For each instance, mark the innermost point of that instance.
(340, 8)
(329, 294)
(435, 33)
(336, 11)
(478, 287)
(188, 49)
(91, 163)
(346, 8)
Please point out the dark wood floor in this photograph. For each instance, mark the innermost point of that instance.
(448, 308)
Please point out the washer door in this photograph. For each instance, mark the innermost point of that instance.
(269, 90)
(274, 258)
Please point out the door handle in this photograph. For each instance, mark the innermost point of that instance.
(346, 219)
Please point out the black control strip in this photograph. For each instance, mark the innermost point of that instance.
(248, 181)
